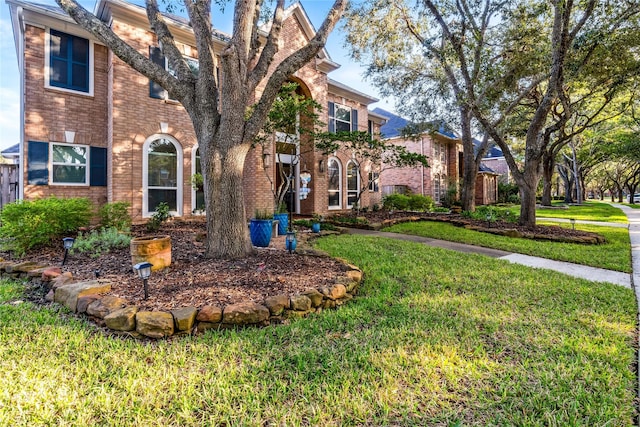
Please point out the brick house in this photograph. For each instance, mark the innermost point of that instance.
(93, 127)
(444, 150)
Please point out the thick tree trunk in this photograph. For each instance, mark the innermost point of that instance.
(548, 165)
(227, 232)
(528, 188)
(470, 166)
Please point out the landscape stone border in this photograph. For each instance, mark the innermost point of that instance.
(88, 298)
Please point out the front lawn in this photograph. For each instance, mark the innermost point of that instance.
(615, 254)
(434, 338)
(588, 211)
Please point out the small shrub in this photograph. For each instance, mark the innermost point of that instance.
(508, 193)
(115, 215)
(396, 201)
(29, 224)
(418, 202)
(493, 212)
(161, 215)
(100, 242)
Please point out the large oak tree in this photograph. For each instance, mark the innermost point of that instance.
(224, 134)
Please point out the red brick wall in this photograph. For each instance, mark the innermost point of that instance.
(121, 116)
(135, 117)
(51, 112)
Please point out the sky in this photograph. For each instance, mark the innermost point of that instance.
(350, 73)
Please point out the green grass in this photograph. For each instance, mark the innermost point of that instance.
(615, 254)
(434, 338)
(589, 211)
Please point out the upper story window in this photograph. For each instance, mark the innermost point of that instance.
(342, 118)
(156, 55)
(69, 62)
(440, 152)
(69, 164)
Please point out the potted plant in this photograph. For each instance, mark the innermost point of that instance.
(282, 216)
(197, 181)
(316, 219)
(260, 228)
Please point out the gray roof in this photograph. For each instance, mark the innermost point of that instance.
(395, 124)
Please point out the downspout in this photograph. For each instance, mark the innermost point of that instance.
(20, 57)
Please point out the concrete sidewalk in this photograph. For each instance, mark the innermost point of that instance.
(576, 270)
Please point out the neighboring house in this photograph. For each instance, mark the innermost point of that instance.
(494, 160)
(93, 127)
(486, 186)
(444, 149)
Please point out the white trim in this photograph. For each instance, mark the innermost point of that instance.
(339, 183)
(47, 64)
(145, 175)
(52, 164)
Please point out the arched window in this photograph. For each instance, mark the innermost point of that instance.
(197, 194)
(353, 183)
(334, 173)
(162, 174)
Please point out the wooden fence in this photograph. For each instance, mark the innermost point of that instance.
(8, 184)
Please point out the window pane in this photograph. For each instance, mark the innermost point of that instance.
(158, 196)
(57, 44)
(58, 72)
(80, 50)
(69, 174)
(343, 126)
(334, 198)
(198, 163)
(334, 175)
(163, 164)
(352, 177)
(69, 154)
(351, 198)
(80, 76)
(343, 113)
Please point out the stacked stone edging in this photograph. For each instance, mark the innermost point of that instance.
(89, 298)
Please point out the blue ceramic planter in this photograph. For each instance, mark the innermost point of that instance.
(260, 232)
(283, 223)
(315, 227)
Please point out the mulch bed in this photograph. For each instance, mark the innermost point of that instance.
(193, 280)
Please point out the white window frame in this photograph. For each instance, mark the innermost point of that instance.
(145, 175)
(436, 188)
(374, 182)
(52, 164)
(346, 176)
(339, 191)
(335, 117)
(47, 63)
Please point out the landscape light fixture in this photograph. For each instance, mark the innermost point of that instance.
(144, 272)
(488, 220)
(290, 241)
(67, 243)
(573, 223)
